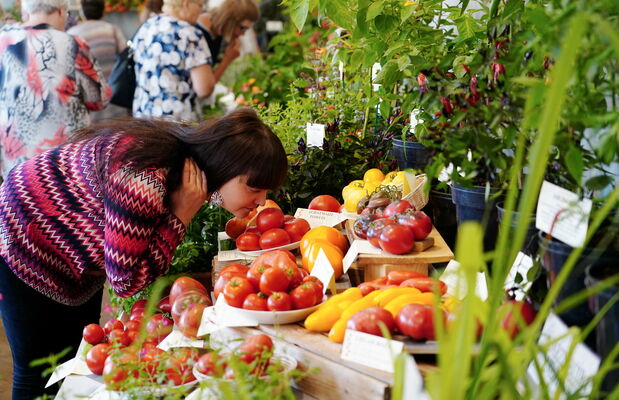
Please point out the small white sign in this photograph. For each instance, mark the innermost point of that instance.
(231, 255)
(375, 70)
(315, 134)
(61, 372)
(414, 120)
(522, 265)
(358, 246)
(341, 69)
(454, 278)
(561, 214)
(365, 247)
(317, 218)
(274, 26)
(370, 350)
(323, 270)
(177, 339)
(208, 323)
(413, 381)
(74, 366)
(557, 339)
(228, 316)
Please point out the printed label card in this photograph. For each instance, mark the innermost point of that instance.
(370, 350)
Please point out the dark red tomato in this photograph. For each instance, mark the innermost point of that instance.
(235, 226)
(276, 258)
(254, 273)
(211, 364)
(426, 284)
(274, 280)
(119, 337)
(158, 327)
(288, 218)
(279, 301)
(317, 285)
(303, 296)
(237, 290)
(253, 229)
(396, 239)
(150, 357)
(113, 324)
(374, 229)
(296, 228)
(257, 346)
(138, 305)
(366, 288)
(248, 241)
(518, 314)
(223, 280)
(369, 321)
(416, 321)
(118, 368)
(185, 284)
(274, 238)
(164, 304)
(417, 221)
(294, 276)
(397, 207)
(93, 334)
(256, 302)
(234, 269)
(362, 224)
(132, 325)
(178, 366)
(185, 301)
(95, 358)
(325, 202)
(269, 218)
(190, 319)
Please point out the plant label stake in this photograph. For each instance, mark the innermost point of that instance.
(315, 134)
(323, 270)
(522, 265)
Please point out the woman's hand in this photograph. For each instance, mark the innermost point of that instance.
(233, 51)
(191, 194)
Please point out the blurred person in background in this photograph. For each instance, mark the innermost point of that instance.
(172, 63)
(105, 42)
(151, 8)
(48, 83)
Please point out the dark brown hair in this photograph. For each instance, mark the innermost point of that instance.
(229, 15)
(238, 143)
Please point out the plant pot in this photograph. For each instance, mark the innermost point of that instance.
(443, 214)
(531, 244)
(554, 254)
(410, 154)
(471, 205)
(607, 330)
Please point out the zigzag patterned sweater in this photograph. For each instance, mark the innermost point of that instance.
(66, 224)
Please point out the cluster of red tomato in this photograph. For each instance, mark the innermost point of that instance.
(272, 282)
(395, 228)
(272, 229)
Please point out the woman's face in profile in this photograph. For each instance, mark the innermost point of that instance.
(239, 198)
(243, 27)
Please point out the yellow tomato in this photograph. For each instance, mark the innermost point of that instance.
(333, 253)
(373, 175)
(370, 187)
(401, 182)
(389, 177)
(350, 204)
(326, 233)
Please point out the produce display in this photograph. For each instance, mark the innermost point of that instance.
(375, 190)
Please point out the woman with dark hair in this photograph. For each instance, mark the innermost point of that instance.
(113, 204)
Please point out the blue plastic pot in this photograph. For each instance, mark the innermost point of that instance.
(531, 242)
(410, 154)
(471, 205)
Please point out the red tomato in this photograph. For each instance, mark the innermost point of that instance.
(132, 325)
(253, 229)
(254, 273)
(417, 221)
(138, 305)
(416, 321)
(325, 203)
(318, 286)
(185, 284)
(190, 319)
(186, 300)
(274, 238)
(396, 239)
(366, 288)
(274, 280)
(276, 258)
(294, 276)
(93, 334)
(119, 337)
(118, 367)
(296, 228)
(236, 269)
(517, 314)
(288, 218)
(164, 304)
(237, 290)
(113, 324)
(179, 364)
(248, 242)
(256, 301)
(397, 277)
(397, 207)
(269, 218)
(158, 327)
(304, 296)
(235, 226)
(426, 284)
(257, 346)
(369, 321)
(374, 229)
(150, 356)
(224, 278)
(279, 301)
(211, 364)
(95, 358)
(362, 224)
(137, 315)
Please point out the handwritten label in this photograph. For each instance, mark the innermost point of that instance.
(557, 339)
(317, 218)
(274, 26)
(561, 214)
(315, 134)
(522, 265)
(231, 255)
(323, 270)
(80, 387)
(371, 351)
(177, 339)
(375, 70)
(454, 277)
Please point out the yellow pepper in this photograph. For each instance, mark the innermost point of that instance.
(323, 319)
(395, 305)
(352, 294)
(389, 294)
(336, 334)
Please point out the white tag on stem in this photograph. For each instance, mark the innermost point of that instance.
(315, 134)
(323, 270)
(370, 350)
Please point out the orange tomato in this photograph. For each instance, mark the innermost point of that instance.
(333, 253)
(327, 233)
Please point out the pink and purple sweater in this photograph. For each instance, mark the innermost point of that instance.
(69, 217)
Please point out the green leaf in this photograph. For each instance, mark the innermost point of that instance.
(298, 13)
(458, 69)
(574, 163)
(512, 7)
(385, 109)
(466, 27)
(373, 10)
(403, 62)
(384, 23)
(606, 150)
(599, 182)
(342, 14)
(406, 13)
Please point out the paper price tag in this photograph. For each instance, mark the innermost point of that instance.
(61, 372)
(324, 272)
(414, 120)
(351, 256)
(365, 247)
(208, 323)
(583, 365)
(522, 265)
(274, 26)
(375, 70)
(231, 255)
(453, 276)
(228, 316)
(317, 218)
(177, 339)
(561, 214)
(370, 350)
(315, 134)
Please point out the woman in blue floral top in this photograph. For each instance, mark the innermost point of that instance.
(172, 63)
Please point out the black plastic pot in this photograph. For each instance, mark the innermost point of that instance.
(471, 205)
(554, 254)
(531, 242)
(607, 331)
(444, 216)
(410, 154)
